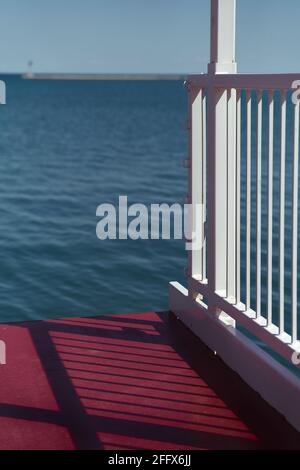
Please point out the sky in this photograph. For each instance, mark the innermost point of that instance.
(130, 36)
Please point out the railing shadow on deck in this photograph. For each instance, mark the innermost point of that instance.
(144, 382)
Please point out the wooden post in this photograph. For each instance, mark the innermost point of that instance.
(222, 156)
(222, 52)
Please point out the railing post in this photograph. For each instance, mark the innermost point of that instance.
(217, 190)
(221, 146)
(222, 50)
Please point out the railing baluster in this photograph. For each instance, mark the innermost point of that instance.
(258, 203)
(204, 184)
(196, 267)
(238, 197)
(282, 210)
(295, 223)
(270, 210)
(248, 200)
(231, 195)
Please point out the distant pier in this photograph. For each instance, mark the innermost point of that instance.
(105, 76)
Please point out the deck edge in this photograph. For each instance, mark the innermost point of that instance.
(277, 385)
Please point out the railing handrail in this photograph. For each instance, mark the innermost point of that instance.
(240, 81)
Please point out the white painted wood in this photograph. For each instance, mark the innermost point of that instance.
(276, 384)
(282, 211)
(196, 175)
(241, 81)
(220, 286)
(220, 192)
(217, 190)
(258, 327)
(222, 58)
(258, 202)
(204, 185)
(231, 195)
(238, 198)
(248, 200)
(294, 296)
(2, 92)
(211, 189)
(270, 210)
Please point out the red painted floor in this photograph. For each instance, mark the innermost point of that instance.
(139, 381)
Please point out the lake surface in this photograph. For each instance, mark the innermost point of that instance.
(66, 147)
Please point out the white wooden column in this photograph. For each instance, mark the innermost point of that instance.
(222, 52)
(222, 155)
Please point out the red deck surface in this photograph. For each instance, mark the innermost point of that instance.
(139, 381)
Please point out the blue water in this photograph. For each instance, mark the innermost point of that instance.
(65, 148)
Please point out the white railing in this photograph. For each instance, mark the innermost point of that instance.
(243, 170)
(223, 110)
